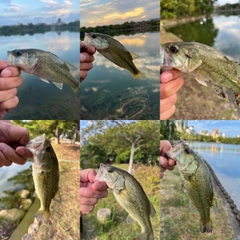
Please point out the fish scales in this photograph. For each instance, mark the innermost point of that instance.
(197, 182)
(204, 63)
(131, 196)
(45, 171)
(114, 51)
(45, 65)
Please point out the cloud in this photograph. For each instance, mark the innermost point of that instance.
(51, 2)
(130, 14)
(68, 2)
(15, 7)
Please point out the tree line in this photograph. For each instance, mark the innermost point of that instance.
(31, 28)
(172, 9)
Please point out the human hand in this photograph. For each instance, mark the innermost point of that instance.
(12, 141)
(170, 82)
(165, 163)
(9, 81)
(86, 60)
(90, 192)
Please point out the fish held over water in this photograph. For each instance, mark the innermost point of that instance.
(130, 195)
(45, 171)
(114, 51)
(197, 182)
(204, 63)
(45, 65)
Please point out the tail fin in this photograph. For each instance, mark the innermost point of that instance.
(44, 215)
(205, 227)
(139, 75)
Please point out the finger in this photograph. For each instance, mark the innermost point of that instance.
(88, 201)
(165, 146)
(168, 113)
(100, 186)
(10, 72)
(10, 82)
(9, 104)
(85, 209)
(7, 94)
(87, 175)
(8, 155)
(88, 49)
(82, 45)
(169, 75)
(83, 75)
(86, 66)
(167, 103)
(161, 174)
(91, 193)
(86, 58)
(169, 88)
(23, 152)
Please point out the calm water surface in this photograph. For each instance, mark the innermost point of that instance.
(220, 31)
(225, 161)
(110, 92)
(39, 100)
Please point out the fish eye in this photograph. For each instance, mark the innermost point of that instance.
(18, 53)
(94, 36)
(48, 148)
(173, 49)
(109, 169)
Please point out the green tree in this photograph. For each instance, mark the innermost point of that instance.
(124, 135)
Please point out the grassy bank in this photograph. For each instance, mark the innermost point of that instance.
(117, 228)
(177, 220)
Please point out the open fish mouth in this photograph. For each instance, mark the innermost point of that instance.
(36, 145)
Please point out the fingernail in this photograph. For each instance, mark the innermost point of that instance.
(6, 73)
(21, 151)
(83, 57)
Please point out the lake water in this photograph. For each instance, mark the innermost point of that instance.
(110, 92)
(9, 172)
(225, 161)
(220, 31)
(39, 100)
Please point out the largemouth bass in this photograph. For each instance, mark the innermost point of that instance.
(130, 195)
(204, 63)
(45, 173)
(197, 182)
(45, 65)
(114, 51)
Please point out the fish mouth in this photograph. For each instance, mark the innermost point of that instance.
(100, 174)
(165, 60)
(87, 39)
(10, 58)
(36, 145)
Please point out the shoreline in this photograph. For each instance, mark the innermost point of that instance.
(165, 23)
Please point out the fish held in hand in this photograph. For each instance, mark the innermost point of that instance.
(114, 51)
(45, 65)
(45, 171)
(197, 182)
(130, 195)
(204, 63)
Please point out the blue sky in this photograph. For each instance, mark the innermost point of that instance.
(106, 12)
(230, 127)
(222, 2)
(38, 11)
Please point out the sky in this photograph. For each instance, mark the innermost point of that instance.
(231, 128)
(38, 11)
(106, 12)
(222, 2)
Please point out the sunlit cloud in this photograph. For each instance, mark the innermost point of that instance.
(135, 13)
(68, 2)
(134, 41)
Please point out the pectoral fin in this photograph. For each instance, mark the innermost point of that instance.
(202, 77)
(134, 56)
(193, 209)
(57, 197)
(215, 205)
(58, 85)
(152, 210)
(130, 220)
(45, 80)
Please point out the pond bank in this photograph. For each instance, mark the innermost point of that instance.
(167, 23)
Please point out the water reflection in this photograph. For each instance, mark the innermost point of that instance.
(39, 100)
(225, 161)
(110, 92)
